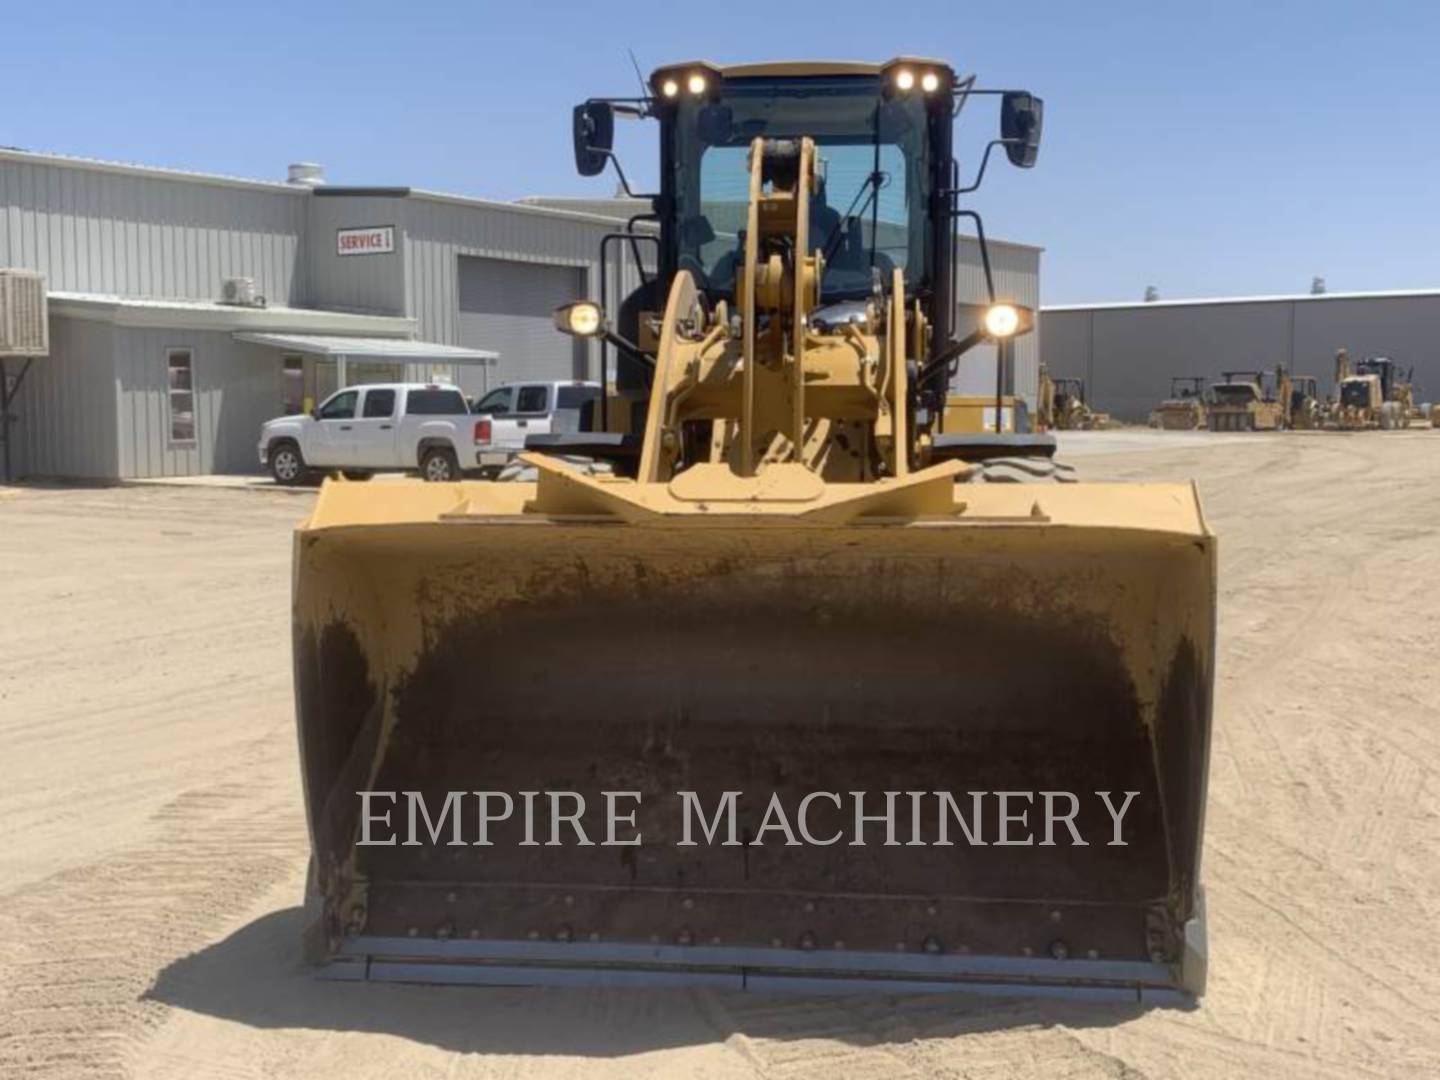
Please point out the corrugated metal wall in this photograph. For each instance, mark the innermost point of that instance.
(67, 405)
(1016, 271)
(92, 230)
(440, 231)
(237, 388)
(1128, 355)
(367, 283)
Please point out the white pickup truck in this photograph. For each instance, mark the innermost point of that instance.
(384, 427)
(506, 416)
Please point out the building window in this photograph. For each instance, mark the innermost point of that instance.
(179, 364)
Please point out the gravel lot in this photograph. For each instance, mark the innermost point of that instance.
(154, 840)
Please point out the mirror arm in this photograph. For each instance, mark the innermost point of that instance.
(624, 182)
(984, 161)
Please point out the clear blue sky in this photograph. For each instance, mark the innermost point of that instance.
(1208, 149)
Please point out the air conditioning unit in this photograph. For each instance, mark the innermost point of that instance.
(240, 291)
(24, 322)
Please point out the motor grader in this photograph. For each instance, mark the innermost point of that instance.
(768, 576)
(1184, 409)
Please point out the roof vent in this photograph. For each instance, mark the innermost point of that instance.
(306, 174)
(1317, 286)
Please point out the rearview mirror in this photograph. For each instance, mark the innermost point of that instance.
(594, 133)
(1021, 117)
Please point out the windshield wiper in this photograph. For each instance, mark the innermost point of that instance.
(872, 185)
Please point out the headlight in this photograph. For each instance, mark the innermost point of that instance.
(1002, 320)
(929, 82)
(581, 319)
(904, 79)
(696, 83)
(669, 88)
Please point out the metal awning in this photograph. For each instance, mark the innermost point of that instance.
(347, 347)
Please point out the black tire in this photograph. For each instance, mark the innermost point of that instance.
(356, 474)
(287, 464)
(439, 466)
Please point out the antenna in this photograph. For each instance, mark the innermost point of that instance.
(644, 90)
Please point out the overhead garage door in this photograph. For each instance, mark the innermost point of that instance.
(509, 306)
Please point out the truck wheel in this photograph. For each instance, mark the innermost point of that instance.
(287, 465)
(438, 465)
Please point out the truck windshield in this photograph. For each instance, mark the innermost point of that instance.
(869, 212)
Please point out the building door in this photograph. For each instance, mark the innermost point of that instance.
(509, 307)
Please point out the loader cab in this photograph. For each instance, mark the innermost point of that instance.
(1384, 369)
(880, 156)
(1183, 387)
(887, 182)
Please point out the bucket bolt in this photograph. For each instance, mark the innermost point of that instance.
(1059, 950)
(932, 944)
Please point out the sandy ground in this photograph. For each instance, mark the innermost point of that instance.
(154, 847)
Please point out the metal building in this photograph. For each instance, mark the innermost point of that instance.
(1128, 353)
(188, 308)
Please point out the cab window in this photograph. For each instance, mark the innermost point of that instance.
(532, 399)
(379, 404)
(341, 406)
(496, 402)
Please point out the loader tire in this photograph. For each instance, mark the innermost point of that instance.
(1022, 470)
(1389, 416)
(439, 466)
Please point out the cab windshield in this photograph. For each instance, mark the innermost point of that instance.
(873, 179)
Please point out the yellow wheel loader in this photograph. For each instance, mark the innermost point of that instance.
(712, 712)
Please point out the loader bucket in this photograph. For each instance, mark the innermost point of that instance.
(1059, 642)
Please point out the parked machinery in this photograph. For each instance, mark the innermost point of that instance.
(1305, 410)
(1069, 411)
(1370, 395)
(1243, 402)
(1184, 409)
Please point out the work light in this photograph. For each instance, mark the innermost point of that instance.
(1002, 320)
(582, 319)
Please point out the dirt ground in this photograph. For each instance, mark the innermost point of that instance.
(154, 844)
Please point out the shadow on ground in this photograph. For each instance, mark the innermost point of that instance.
(256, 977)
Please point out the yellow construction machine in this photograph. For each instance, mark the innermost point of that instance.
(1304, 408)
(1371, 394)
(1184, 409)
(1062, 405)
(784, 594)
(1243, 402)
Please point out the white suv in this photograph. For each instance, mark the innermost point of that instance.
(382, 427)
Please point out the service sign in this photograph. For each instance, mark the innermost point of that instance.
(372, 240)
